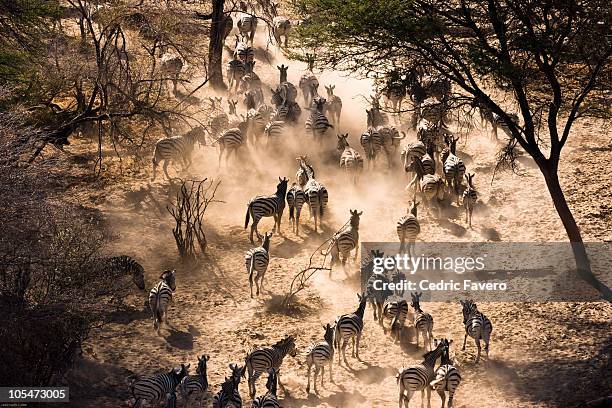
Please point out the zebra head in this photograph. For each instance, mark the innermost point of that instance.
(281, 187)
(469, 309)
(287, 345)
(451, 142)
(416, 305)
(197, 134)
(231, 103)
(138, 277)
(202, 365)
(329, 334)
(169, 277)
(272, 380)
(355, 218)
(330, 90)
(237, 372)
(283, 72)
(446, 351)
(265, 240)
(342, 141)
(413, 207)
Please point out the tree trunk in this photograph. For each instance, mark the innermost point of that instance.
(215, 48)
(573, 232)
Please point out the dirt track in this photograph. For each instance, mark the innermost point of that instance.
(544, 355)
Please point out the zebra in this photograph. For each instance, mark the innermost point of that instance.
(447, 377)
(256, 125)
(423, 322)
(469, 198)
(350, 326)
(344, 241)
(317, 123)
(229, 395)
(417, 377)
(376, 297)
(289, 112)
(390, 138)
(171, 65)
(396, 309)
(160, 296)
(177, 148)
(305, 171)
(256, 261)
(371, 142)
(432, 135)
(126, 265)
(228, 24)
(230, 141)
(236, 69)
(261, 359)
(477, 326)
(196, 385)
(375, 117)
(320, 355)
(295, 200)
(267, 206)
(408, 228)
(334, 105)
(269, 399)
(496, 121)
(350, 159)
(281, 26)
(284, 93)
(309, 83)
(431, 186)
(317, 197)
(154, 388)
(247, 25)
(275, 131)
(243, 52)
(416, 149)
(234, 120)
(454, 168)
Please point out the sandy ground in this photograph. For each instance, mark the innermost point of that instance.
(542, 354)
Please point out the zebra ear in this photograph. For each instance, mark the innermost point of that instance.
(359, 213)
(450, 342)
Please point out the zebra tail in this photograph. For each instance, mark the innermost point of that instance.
(291, 210)
(337, 337)
(248, 213)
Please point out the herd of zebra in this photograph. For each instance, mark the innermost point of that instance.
(386, 306)
(437, 173)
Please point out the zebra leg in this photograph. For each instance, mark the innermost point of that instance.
(258, 282)
(477, 341)
(297, 221)
(409, 393)
(428, 392)
(358, 337)
(251, 278)
(316, 374)
(451, 394)
(344, 344)
(308, 375)
(486, 347)
(464, 341)
(331, 362)
(166, 162)
(417, 337)
(322, 374)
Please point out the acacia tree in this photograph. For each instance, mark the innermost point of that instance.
(550, 58)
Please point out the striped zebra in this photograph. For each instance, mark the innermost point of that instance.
(470, 196)
(281, 26)
(375, 117)
(269, 399)
(317, 123)
(423, 322)
(396, 309)
(126, 265)
(230, 141)
(243, 52)
(235, 71)
(275, 132)
(344, 241)
(408, 228)
(195, 385)
(431, 186)
(267, 206)
(219, 121)
(391, 140)
(334, 105)
(305, 172)
(309, 83)
(295, 200)
(317, 197)
(416, 149)
(447, 377)
(350, 159)
(261, 359)
(177, 148)
(496, 121)
(284, 93)
(454, 168)
(171, 66)
(229, 395)
(160, 296)
(171, 400)
(350, 326)
(289, 112)
(320, 355)
(153, 389)
(256, 261)
(247, 25)
(477, 326)
(371, 142)
(432, 135)
(256, 126)
(376, 297)
(417, 377)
